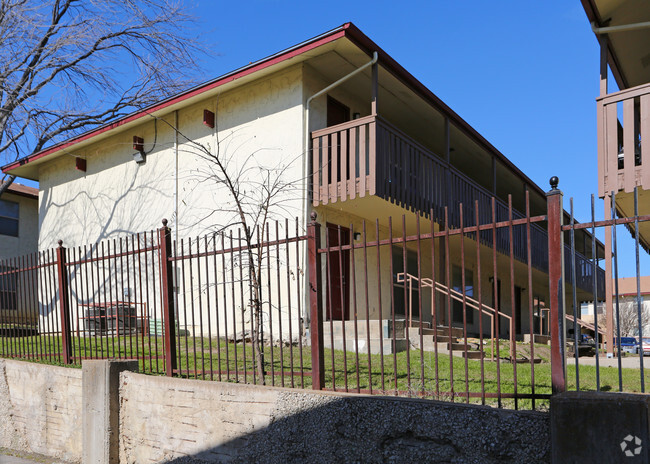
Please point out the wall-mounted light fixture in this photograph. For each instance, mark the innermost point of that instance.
(357, 236)
(138, 146)
(356, 115)
(80, 164)
(208, 118)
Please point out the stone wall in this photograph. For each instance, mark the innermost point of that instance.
(40, 409)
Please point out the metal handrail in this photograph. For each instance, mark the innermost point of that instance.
(458, 296)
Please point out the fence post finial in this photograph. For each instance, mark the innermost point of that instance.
(554, 181)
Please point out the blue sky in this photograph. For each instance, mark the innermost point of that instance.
(524, 74)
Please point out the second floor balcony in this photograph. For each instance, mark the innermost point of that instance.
(370, 156)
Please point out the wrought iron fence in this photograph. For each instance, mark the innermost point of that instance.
(413, 307)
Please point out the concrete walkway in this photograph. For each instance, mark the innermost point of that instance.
(17, 457)
(626, 361)
(15, 460)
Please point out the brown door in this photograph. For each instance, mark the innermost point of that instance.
(337, 112)
(338, 299)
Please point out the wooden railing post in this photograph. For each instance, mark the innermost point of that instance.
(64, 304)
(315, 305)
(167, 297)
(557, 305)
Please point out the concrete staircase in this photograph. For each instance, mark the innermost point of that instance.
(445, 343)
(386, 338)
(382, 334)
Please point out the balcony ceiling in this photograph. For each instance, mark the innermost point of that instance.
(631, 49)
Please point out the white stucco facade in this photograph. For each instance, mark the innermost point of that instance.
(27, 239)
(258, 124)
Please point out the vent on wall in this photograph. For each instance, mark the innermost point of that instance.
(208, 118)
(80, 164)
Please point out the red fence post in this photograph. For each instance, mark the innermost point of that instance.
(556, 286)
(315, 305)
(64, 303)
(167, 297)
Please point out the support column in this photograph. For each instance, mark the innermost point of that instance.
(609, 306)
(375, 90)
(101, 409)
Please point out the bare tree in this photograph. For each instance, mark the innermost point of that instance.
(67, 66)
(251, 194)
(629, 318)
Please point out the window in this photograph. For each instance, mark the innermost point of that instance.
(457, 284)
(7, 288)
(8, 218)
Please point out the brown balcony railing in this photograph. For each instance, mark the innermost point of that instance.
(369, 156)
(623, 158)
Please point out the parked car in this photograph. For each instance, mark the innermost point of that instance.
(644, 346)
(628, 345)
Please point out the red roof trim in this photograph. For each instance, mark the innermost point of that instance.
(299, 49)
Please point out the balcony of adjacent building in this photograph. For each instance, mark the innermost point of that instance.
(622, 28)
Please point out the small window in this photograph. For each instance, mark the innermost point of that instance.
(7, 288)
(8, 218)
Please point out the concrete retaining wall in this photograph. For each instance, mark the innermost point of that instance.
(186, 421)
(40, 409)
(177, 420)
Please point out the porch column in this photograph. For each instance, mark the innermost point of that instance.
(375, 89)
(609, 306)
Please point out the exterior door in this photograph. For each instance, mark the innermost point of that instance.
(337, 112)
(338, 299)
(518, 312)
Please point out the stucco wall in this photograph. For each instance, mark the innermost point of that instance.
(40, 409)
(14, 250)
(330, 214)
(27, 239)
(258, 133)
(116, 196)
(177, 420)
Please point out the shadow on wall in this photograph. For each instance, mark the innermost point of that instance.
(305, 427)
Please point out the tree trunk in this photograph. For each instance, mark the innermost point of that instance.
(5, 185)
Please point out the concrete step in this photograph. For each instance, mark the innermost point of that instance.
(429, 334)
(440, 330)
(378, 329)
(473, 354)
(390, 345)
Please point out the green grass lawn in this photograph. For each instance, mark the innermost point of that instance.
(409, 373)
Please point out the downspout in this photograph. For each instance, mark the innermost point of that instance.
(623, 27)
(305, 159)
(176, 176)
